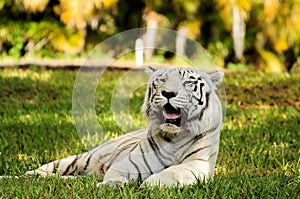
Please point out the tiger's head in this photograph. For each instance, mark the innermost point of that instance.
(182, 99)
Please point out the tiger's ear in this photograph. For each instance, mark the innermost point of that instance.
(149, 70)
(217, 77)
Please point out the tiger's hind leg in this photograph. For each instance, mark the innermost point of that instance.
(95, 161)
(69, 166)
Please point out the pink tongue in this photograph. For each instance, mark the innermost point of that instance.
(171, 116)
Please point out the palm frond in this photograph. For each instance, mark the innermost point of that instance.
(282, 29)
(271, 8)
(34, 6)
(192, 27)
(59, 37)
(226, 7)
(77, 13)
(271, 62)
(72, 13)
(68, 42)
(2, 4)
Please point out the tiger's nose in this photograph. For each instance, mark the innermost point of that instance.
(168, 94)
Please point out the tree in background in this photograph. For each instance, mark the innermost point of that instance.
(234, 13)
(279, 39)
(263, 33)
(32, 26)
(152, 21)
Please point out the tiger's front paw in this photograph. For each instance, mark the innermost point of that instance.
(113, 182)
(160, 180)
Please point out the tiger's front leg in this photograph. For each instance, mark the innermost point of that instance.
(114, 178)
(182, 174)
(119, 174)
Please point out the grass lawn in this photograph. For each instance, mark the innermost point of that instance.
(259, 150)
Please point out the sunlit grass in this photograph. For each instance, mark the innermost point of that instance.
(259, 147)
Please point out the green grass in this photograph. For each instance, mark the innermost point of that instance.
(259, 148)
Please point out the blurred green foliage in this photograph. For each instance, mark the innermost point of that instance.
(268, 32)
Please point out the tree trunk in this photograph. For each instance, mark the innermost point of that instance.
(238, 32)
(181, 41)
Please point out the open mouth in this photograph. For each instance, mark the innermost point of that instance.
(172, 115)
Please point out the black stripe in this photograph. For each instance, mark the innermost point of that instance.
(101, 168)
(202, 135)
(157, 149)
(202, 111)
(90, 154)
(195, 89)
(70, 165)
(114, 156)
(137, 169)
(212, 155)
(116, 140)
(207, 96)
(146, 162)
(195, 151)
(153, 85)
(135, 165)
(195, 139)
(157, 152)
(166, 139)
(200, 100)
(203, 160)
(151, 100)
(126, 141)
(103, 156)
(120, 147)
(148, 99)
(87, 162)
(74, 171)
(149, 93)
(185, 143)
(55, 165)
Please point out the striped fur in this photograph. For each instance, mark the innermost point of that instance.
(179, 146)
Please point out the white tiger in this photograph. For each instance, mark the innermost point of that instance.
(179, 146)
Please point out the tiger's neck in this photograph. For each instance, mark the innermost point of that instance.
(169, 135)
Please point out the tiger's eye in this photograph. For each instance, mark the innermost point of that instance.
(162, 80)
(188, 83)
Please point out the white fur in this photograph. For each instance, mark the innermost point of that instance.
(187, 153)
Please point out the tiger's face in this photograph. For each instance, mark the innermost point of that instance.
(177, 98)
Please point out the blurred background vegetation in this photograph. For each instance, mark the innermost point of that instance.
(259, 34)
